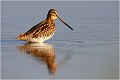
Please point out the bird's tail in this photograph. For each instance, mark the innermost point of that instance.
(20, 37)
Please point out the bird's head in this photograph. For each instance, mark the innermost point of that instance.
(53, 14)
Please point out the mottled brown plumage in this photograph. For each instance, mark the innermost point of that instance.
(44, 30)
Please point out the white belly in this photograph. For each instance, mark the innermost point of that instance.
(41, 40)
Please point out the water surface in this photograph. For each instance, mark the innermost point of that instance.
(90, 51)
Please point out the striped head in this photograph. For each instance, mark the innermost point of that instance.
(53, 14)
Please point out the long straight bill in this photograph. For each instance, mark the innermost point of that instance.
(64, 23)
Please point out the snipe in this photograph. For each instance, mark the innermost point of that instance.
(44, 30)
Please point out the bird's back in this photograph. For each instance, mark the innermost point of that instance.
(40, 32)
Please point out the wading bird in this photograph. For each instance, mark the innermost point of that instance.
(44, 30)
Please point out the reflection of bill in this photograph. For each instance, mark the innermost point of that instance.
(44, 52)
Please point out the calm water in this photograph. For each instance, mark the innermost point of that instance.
(90, 51)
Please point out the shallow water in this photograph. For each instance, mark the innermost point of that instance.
(90, 51)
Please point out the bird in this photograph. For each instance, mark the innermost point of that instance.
(43, 30)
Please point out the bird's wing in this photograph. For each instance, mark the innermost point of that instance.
(37, 27)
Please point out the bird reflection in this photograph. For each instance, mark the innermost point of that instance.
(44, 52)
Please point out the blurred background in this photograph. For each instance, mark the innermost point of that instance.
(90, 51)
